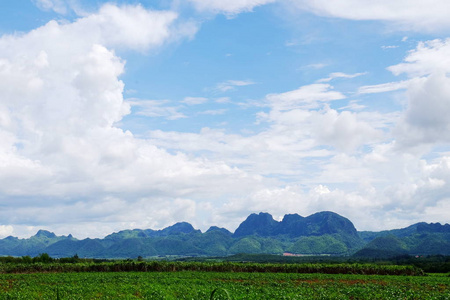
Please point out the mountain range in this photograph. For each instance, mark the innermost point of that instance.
(323, 233)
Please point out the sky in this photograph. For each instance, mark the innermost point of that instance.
(140, 114)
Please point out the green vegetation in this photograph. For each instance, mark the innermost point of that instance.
(201, 285)
(417, 239)
(43, 277)
(172, 266)
(319, 244)
(429, 264)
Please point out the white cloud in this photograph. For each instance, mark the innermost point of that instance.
(157, 108)
(292, 133)
(6, 230)
(194, 100)
(389, 47)
(317, 66)
(223, 100)
(308, 95)
(344, 130)
(131, 27)
(339, 75)
(62, 159)
(428, 57)
(213, 112)
(353, 105)
(405, 14)
(384, 87)
(229, 8)
(425, 120)
(230, 85)
(58, 6)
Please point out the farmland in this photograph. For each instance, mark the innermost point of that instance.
(185, 284)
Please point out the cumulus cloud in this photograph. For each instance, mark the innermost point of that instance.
(428, 57)
(65, 161)
(294, 131)
(425, 120)
(130, 26)
(344, 130)
(61, 155)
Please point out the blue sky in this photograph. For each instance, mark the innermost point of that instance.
(140, 114)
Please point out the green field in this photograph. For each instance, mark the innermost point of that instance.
(239, 285)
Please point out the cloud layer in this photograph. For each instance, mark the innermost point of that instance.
(63, 159)
(66, 162)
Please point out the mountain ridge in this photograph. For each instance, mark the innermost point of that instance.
(320, 233)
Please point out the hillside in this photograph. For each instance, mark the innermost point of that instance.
(417, 239)
(321, 233)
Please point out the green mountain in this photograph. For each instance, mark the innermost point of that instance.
(417, 239)
(32, 246)
(294, 226)
(320, 233)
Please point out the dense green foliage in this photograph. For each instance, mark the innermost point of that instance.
(319, 244)
(200, 285)
(16, 266)
(429, 264)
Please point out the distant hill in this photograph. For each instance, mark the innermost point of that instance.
(321, 233)
(417, 239)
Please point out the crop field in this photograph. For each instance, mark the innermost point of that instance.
(225, 285)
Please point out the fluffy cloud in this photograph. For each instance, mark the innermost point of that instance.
(425, 120)
(65, 161)
(345, 130)
(62, 158)
(346, 161)
(129, 26)
(295, 134)
(428, 58)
